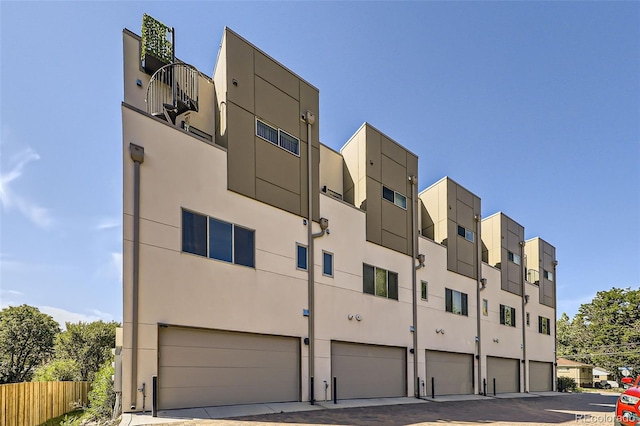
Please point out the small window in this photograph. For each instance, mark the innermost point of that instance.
(327, 264)
(544, 326)
(507, 315)
(467, 234)
(301, 257)
(456, 302)
(514, 258)
(528, 317)
(379, 282)
(194, 233)
(548, 275)
(267, 132)
(424, 293)
(220, 236)
(290, 143)
(278, 137)
(394, 197)
(485, 307)
(243, 246)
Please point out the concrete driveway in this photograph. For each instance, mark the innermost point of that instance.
(556, 409)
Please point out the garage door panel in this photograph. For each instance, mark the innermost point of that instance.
(368, 371)
(452, 373)
(506, 372)
(540, 376)
(208, 368)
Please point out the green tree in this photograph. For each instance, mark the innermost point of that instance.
(605, 332)
(57, 370)
(102, 396)
(89, 344)
(26, 341)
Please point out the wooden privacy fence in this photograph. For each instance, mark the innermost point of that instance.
(33, 403)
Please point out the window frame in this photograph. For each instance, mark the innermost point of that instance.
(449, 301)
(547, 275)
(513, 257)
(465, 234)
(424, 290)
(279, 133)
(503, 315)
(207, 255)
(327, 253)
(306, 257)
(396, 196)
(544, 325)
(485, 307)
(388, 273)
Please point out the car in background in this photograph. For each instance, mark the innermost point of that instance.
(628, 406)
(602, 384)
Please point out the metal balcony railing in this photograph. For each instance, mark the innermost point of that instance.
(172, 91)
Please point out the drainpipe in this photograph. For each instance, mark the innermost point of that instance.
(479, 282)
(414, 279)
(555, 328)
(310, 118)
(137, 155)
(525, 300)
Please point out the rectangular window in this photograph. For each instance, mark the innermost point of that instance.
(548, 275)
(424, 293)
(507, 315)
(394, 197)
(544, 326)
(216, 239)
(456, 302)
(379, 282)
(301, 257)
(485, 307)
(465, 233)
(528, 319)
(514, 258)
(327, 264)
(194, 233)
(278, 137)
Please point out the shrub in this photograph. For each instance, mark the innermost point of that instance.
(566, 384)
(102, 398)
(58, 370)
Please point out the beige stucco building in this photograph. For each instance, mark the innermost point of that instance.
(241, 288)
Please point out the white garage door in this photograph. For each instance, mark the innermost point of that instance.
(368, 371)
(199, 368)
(506, 372)
(452, 373)
(540, 376)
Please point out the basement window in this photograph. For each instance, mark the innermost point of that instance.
(278, 137)
(394, 197)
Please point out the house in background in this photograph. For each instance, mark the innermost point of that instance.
(601, 374)
(259, 263)
(578, 371)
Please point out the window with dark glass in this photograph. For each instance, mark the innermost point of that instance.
(217, 239)
(544, 325)
(379, 282)
(465, 233)
(394, 197)
(278, 137)
(514, 258)
(456, 302)
(424, 293)
(507, 315)
(327, 264)
(301, 257)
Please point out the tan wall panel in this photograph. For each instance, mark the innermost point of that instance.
(240, 153)
(394, 219)
(367, 371)
(394, 175)
(240, 68)
(309, 101)
(276, 107)
(373, 162)
(452, 373)
(374, 211)
(394, 151)
(277, 196)
(277, 75)
(275, 165)
(394, 242)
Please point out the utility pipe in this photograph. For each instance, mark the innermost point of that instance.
(414, 269)
(524, 318)
(478, 300)
(555, 327)
(310, 118)
(137, 155)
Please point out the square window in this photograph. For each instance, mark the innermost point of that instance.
(301, 257)
(243, 246)
(327, 264)
(468, 235)
(220, 237)
(507, 315)
(368, 279)
(456, 302)
(424, 290)
(461, 231)
(548, 275)
(400, 200)
(194, 233)
(388, 194)
(514, 258)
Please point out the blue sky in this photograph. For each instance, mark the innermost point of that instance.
(533, 106)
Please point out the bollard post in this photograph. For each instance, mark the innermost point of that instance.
(335, 390)
(433, 388)
(311, 398)
(418, 386)
(154, 396)
(494, 386)
(484, 387)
